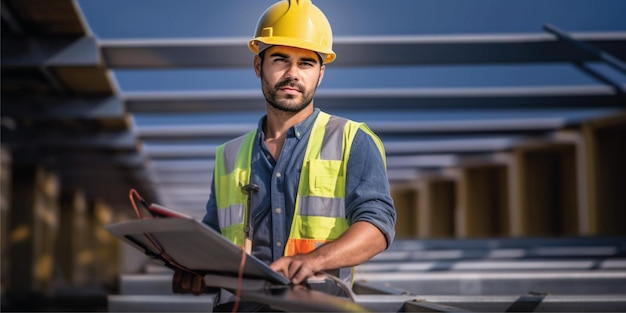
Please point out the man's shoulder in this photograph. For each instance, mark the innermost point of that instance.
(240, 138)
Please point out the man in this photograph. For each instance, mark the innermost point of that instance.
(320, 200)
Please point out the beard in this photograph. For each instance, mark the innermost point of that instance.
(287, 103)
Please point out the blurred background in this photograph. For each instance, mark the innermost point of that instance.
(501, 120)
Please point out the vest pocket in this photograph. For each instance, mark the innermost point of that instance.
(324, 176)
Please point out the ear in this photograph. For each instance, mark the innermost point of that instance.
(322, 69)
(257, 65)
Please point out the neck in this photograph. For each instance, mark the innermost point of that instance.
(278, 122)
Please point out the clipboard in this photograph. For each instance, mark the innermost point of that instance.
(193, 245)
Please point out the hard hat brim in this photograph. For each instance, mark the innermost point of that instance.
(253, 45)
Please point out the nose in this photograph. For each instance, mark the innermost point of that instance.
(293, 72)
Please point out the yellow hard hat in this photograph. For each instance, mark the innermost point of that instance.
(295, 23)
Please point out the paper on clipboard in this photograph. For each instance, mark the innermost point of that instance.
(193, 245)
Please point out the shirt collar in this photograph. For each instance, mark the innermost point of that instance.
(297, 130)
(305, 126)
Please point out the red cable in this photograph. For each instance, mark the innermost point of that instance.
(161, 252)
(239, 280)
(132, 201)
(153, 241)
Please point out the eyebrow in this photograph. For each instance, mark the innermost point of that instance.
(303, 59)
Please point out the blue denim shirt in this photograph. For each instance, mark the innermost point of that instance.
(367, 189)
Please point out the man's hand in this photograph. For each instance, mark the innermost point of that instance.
(356, 245)
(296, 268)
(185, 282)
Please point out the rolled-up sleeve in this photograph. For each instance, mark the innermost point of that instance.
(367, 187)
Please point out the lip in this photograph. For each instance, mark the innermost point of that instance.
(290, 90)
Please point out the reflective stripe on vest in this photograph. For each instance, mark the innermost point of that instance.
(232, 169)
(320, 206)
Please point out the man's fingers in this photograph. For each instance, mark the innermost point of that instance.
(281, 266)
(176, 282)
(295, 269)
(197, 284)
(300, 272)
(181, 282)
(185, 282)
(300, 277)
(278, 265)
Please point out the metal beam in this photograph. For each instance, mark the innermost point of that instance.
(609, 246)
(619, 88)
(503, 283)
(390, 122)
(479, 144)
(81, 52)
(160, 303)
(400, 146)
(604, 56)
(374, 99)
(50, 108)
(176, 166)
(360, 51)
(8, 17)
(499, 303)
(422, 161)
(202, 178)
(68, 64)
(31, 52)
(46, 138)
(572, 263)
(132, 159)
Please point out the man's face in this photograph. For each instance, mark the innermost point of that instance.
(289, 77)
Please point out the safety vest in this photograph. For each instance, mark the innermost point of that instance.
(319, 215)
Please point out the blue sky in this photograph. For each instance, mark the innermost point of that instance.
(135, 19)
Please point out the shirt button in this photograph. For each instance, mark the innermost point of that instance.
(267, 156)
(278, 174)
(278, 243)
(278, 210)
(298, 134)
